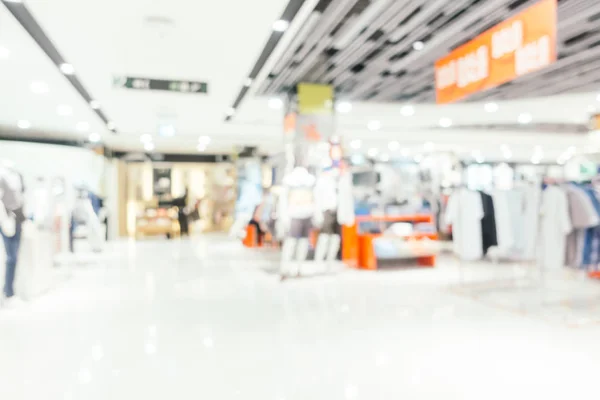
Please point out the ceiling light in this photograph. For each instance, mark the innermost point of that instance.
(111, 126)
(280, 25)
(374, 125)
(94, 137)
(343, 107)
(66, 69)
(39, 87)
(418, 45)
(201, 147)
(4, 53)
(356, 144)
(491, 107)
(82, 126)
(166, 130)
(95, 104)
(407, 111)
(393, 146)
(525, 118)
(24, 124)
(275, 103)
(64, 110)
(230, 111)
(149, 146)
(146, 138)
(204, 140)
(248, 82)
(535, 160)
(445, 122)
(429, 146)
(372, 152)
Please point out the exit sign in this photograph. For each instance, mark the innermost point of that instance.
(136, 83)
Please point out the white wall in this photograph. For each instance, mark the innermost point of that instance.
(76, 165)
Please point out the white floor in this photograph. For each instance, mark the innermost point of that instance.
(205, 319)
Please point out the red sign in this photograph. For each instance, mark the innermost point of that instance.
(522, 44)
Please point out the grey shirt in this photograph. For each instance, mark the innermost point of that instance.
(11, 192)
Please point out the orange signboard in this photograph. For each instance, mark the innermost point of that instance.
(522, 44)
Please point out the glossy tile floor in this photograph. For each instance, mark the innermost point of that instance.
(205, 319)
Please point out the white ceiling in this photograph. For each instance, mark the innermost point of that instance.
(219, 42)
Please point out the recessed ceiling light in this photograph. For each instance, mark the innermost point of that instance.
(372, 152)
(418, 45)
(39, 87)
(280, 25)
(356, 144)
(343, 107)
(374, 125)
(230, 111)
(64, 110)
(149, 146)
(275, 103)
(393, 146)
(204, 139)
(24, 124)
(66, 69)
(111, 126)
(407, 111)
(94, 137)
(491, 107)
(146, 138)
(95, 104)
(248, 82)
(4, 53)
(445, 122)
(525, 118)
(82, 126)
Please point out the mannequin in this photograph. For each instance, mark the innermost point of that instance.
(335, 205)
(297, 209)
(12, 217)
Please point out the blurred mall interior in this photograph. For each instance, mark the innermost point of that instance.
(303, 199)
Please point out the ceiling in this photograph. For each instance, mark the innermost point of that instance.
(368, 48)
(206, 41)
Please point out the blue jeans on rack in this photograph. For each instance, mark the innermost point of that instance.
(11, 246)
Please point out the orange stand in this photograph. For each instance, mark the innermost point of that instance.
(358, 250)
(252, 238)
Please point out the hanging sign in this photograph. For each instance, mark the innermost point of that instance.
(129, 82)
(522, 44)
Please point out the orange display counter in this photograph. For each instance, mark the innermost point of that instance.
(358, 249)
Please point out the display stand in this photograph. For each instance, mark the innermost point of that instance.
(358, 248)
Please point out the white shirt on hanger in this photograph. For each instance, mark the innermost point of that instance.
(555, 225)
(464, 212)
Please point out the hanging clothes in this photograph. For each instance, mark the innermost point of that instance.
(532, 197)
(489, 235)
(555, 225)
(509, 212)
(591, 245)
(583, 215)
(465, 212)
